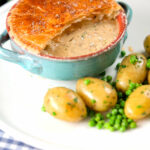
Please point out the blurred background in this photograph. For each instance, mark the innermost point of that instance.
(3, 2)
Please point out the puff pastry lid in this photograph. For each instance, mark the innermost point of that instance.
(33, 23)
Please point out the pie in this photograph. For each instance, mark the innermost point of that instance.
(46, 26)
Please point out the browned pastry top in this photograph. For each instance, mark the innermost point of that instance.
(33, 23)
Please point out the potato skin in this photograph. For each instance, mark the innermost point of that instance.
(135, 73)
(137, 105)
(147, 44)
(65, 104)
(103, 93)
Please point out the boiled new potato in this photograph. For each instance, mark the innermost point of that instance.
(65, 104)
(147, 44)
(137, 105)
(132, 69)
(97, 94)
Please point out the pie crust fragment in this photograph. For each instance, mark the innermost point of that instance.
(34, 23)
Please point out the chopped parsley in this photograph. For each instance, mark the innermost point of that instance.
(144, 113)
(54, 114)
(142, 92)
(75, 100)
(87, 82)
(83, 35)
(138, 106)
(105, 102)
(123, 66)
(91, 91)
(69, 91)
(93, 101)
(70, 104)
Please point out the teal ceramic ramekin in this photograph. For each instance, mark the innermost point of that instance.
(69, 68)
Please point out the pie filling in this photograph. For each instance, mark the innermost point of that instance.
(82, 38)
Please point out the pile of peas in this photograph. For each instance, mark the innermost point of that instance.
(115, 120)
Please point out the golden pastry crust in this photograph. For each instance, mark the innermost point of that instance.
(33, 23)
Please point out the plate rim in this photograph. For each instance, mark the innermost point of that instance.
(30, 140)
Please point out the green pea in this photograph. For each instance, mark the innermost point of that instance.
(43, 108)
(117, 126)
(111, 122)
(122, 129)
(130, 120)
(117, 121)
(113, 84)
(132, 86)
(54, 114)
(92, 123)
(118, 66)
(138, 85)
(121, 111)
(106, 125)
(124, 116)
(133, 59)
(119, 117)
(148, 64)
(101, 122)
(98, 117)
(122, 103)
(123, 53)
(103, 73)
(117, 106)
(120, 95)
(124, 123)
(101, 116)
(114, 111)
(133, 125)
(128, 92)
(111, 129)
(108, 115)
(99, 126)
(109, 78)
(113, 117)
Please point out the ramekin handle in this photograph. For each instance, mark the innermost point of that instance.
(22, 59)
(6, 54)
(128, 11)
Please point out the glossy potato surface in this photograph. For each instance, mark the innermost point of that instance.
(98, 94)
(127, 72)
(137, 105)
(147, 44)
(65, 104)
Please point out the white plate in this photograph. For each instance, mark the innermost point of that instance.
(21, 98)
